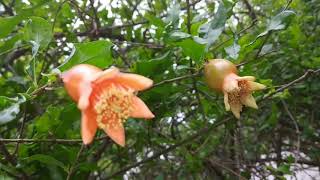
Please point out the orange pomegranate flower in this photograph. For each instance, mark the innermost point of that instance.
(221, 75)
(106, 99)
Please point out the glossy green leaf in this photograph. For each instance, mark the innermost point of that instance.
(97, 53)
(192, 49)
(155, 66)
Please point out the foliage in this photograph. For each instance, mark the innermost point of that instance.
(192, 136)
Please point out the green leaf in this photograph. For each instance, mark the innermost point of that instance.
(266, 49)
(48, 120)
(96, 53)
(154, 66)
(233, 50)
(7, 24)
(192, 49)
(177, 35)
(173, 13)
(199, 17)
(154, 20)
(213, 29)
(49, 160)
(9, 108)
(285, 169)
(38, 32)
(278, 22)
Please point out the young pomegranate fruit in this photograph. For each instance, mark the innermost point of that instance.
(221, 75)
(106, 99)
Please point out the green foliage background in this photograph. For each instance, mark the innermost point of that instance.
(192, 136)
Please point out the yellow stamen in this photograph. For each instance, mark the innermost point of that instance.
(113, 107)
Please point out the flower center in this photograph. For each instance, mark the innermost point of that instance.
(234, 96)
(113, 107)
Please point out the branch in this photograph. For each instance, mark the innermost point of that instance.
(286, 108)
(62, 141)
(12, 160)
(7, 156)
(285, 86)
(201, 132)
(252, 14)
(107, 31)
(148, 45)
(7, 9)
(176, 79)
(301, 161)
(238, 34)
(71, 169)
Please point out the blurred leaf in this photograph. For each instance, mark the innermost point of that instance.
(278, 22)
(155, 66)
(9, 108)
(7, 24)
(48, 120)
(96, 53)
(233, 50)
(285, 169)
(173, 13)
(179, 35)
(154, 20)
(199, 17)
(214, 28)
(266, 49)
(192, 49)
(86, 166)
(46, 159)
(38, 32)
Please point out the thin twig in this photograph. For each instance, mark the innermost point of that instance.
(237, 34)
(21, 128)
(296, 127)
(285, 86)
(61, 141)
(201, 132)
(194, 81)
(71, 169)
(228, 169)
(176, 79)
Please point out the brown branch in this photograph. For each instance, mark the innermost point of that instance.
(285, 86)
(95, 21)
(11, 159)
(258, 52)
(238, 34)
(296, 127)
(62, 141)
(7, 156)
(21, 128)
(7, 9)
(252, 13)
(300, 161)
(176, 79)
(71, 169)
(97, 155)
(201, 132)
(227, 168)
(148, 45)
